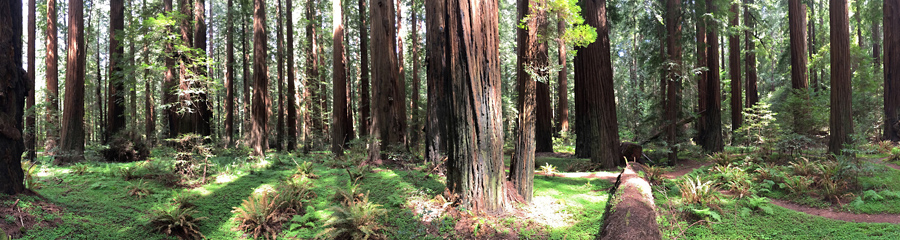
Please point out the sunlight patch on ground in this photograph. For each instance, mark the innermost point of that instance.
(548, 211)
(264, 188)
(47, 172)
(225, 178)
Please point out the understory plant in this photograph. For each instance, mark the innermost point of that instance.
(259, 215)
(697, 191)
(174, 220)
(356, 219)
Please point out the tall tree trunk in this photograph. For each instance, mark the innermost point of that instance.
(734, 64)
(312, 80)
(52, 78)
(401, 117)
(71, 144)
(279, 59)
(169, 82)
(204, 113)
(468, 52)
(229, 77)
(292, 106)
(876, 45)
(29, 74)
(437, 70)
(797, 24)
(711, 138)
(245, 129)
(342, 130)
(101, 129)
(673, 100)
(750, 57)
(814, 74)
(389, 120)
(364, 107)
(594, 75)
(562, 98)
(116, 76)
(12, 95)
(543, 136)
(132, 76)
(149, 109)
(415, 127)
(892, 70)
(703, 64)
(841, 122)
(258, 135)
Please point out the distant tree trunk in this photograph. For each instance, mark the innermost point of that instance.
(312, 81)
(364, 106)
(116, 76)
(98, 96)
(400, 115)
(258, 135)
(149, 109)
(562, 98)
(814, 75)
(892, 70)
(594, 75)
(246, 77)
(71, 144)
(750, 55)
(52, 78)
(342, 130)
(292, 107)
(734, 64)
(797, 24)
(415, 127)
(29, 74)
(438, 71)
(169, 82)
(702, 62)
(279, 59)
(543, 135)
(469, 48)
(389, 120)
(841, 122)
(229, 77)
(132, 76)
(876, 45)
(12, 96)
(673, 78)
(711, 135)
(204, 113)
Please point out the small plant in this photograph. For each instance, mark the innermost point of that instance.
(293, 192)
(30, 169)
(304, 168)
(174, 220)
(654, 174)
(184, 199)
(798, 185)
(895, 155)
(833, 190)
(127, 173)
(804, 167)
(758, 203)
(138, 189)
(356, 219)
(79, 169)
(548, 169)
(694, 190)
(259, 216)
(721, 158)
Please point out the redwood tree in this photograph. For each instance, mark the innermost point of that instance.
(710, 136)
(594, 76)
(71, 146)
(29, 102)
(116, 76)
(841, 122)
(750, 57)
(12, 96)
(703, 76)
(734, 69)
(341, 131)
(258, 135)
(279, 59)
(388, 122)
(673, 75)
(52, 79)
(562, 90)
(467, 49)
(892, 70)
(229, 76)
(292, 108)
(437, 69)
(797, 25)
(364, 107)
(169, 82)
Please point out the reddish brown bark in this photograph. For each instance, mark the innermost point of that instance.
(342, 130)
(14, 86)
(258, 134)
(291, 105)
(116, 77)
(52, 79)
(892, 70)
(364, 107)
(437, 71)
(229, 76)
(734, 64)
(673, 77)
(594, 76)
(200, 121)
(279, 59)
(415, 127)
(245, 128)
(711, 135)
(468, 51)
(169, 82)
(389, 119)
(29, 74)
(312, 83)
(841, 122)
(72, 136)
(702, 64)
(750, 57)
(562, 90)
(797, 25)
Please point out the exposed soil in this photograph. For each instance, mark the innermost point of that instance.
(891, 165)
(685, 166)
(11, 209)
(608, 176)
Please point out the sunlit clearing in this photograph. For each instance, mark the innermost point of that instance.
(45, 172)
(264, 188)
(202, 191)
(549, 211)
(225, 178)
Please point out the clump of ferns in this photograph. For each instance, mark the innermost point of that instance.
(654, 174)
(294, 192)
(259, 215)
(355, 218)
(697, 191)
(138, 189)
(175, 220)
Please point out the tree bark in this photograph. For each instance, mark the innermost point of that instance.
(673, 78)
(876, 45)
(52, 79)
(702, 62)
(279, 56)
(29, 74)
(594, 75)
(711, 134)
(258, 135)
(116, 77)
(892, 70)
(562, 98)
(72, 137)
(312, 81)
(204, 113)
(750, 57)
(400, 115)
(415, 127)
(734, 64)
(229, 77)
(389, 120)
(841, 122)
(169, 82)
(292, 106)
(245, 128)
(543, 136)
(468, 51)
(437, 71)
(364, 107)
(342, 130)
(797, 24)
(14, 86)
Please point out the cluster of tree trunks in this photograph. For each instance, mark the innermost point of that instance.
(709, 128)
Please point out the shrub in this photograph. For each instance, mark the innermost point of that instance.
(259, 216)
(138, 189)
(804, 167)
(694, 190)
(833, 190)
(294, 191)
(79, 168)
(722, 158)
(176, 221)
(356, 219)
(548, 169)
(654, 174)
(895, 155)
(184, 199)
(124, 148)
(127, 173)
(798, 185)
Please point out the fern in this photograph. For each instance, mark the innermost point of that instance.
(356, 219)
(258, 215)
(176, 221)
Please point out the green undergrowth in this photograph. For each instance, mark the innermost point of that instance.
(584, 199)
